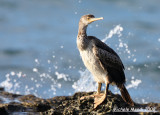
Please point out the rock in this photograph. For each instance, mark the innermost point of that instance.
(1, 89)
(3, 111)
(70, 105)
(14, 106)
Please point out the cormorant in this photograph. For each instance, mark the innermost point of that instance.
(102, 61)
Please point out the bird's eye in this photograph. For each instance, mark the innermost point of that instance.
(88, 18)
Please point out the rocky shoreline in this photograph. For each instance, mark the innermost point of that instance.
(70, 105)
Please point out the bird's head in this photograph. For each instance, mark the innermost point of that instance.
(87, 19)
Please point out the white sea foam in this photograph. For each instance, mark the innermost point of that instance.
(134, 84)
(85, 83)
(15, 81)
(117, 30)
(7, 83)
(61, 75)
(11, 83)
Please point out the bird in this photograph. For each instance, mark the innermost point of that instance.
(102, 61)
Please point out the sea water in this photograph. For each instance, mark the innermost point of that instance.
(38, 52)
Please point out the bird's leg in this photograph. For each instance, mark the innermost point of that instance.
(98, 90)
(98, 93)
(98, 101)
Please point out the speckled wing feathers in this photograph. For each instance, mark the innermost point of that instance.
(109, 60)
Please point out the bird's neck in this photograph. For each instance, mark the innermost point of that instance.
(82, 41)
(82, 30)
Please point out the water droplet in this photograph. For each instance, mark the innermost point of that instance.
(35, 70)
(62, 46)
(134, 60)
(12, 73)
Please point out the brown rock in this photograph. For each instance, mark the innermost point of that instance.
(70, 105)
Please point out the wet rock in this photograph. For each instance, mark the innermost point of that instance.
(14, 106)
(9, 95)
(1, 89)
(70, 105)
(3, 111)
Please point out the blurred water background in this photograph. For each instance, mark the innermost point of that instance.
(38, 52)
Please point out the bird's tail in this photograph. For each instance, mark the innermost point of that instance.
(125, 95)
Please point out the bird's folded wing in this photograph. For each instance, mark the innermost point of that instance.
(107, 59)
(106, 55)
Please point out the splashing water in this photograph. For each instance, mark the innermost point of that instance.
(86, 81)
(134, 84)
(20, 83)
(49, 81)
(11, 84)
(116, 30)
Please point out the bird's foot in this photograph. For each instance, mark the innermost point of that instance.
(98, 101)
(92, 96)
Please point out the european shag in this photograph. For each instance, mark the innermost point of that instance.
(102, 61)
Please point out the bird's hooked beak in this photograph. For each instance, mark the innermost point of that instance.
(95, 19)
